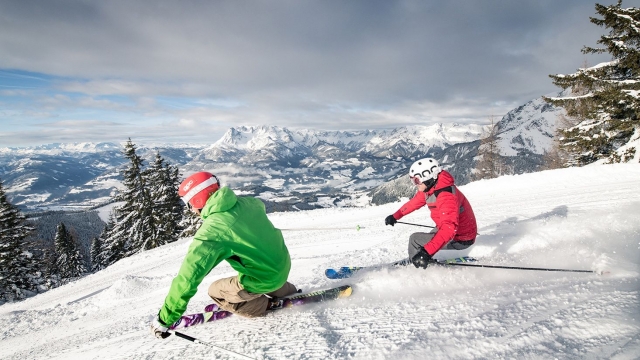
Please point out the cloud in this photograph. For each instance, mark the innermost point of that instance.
(59, 131)
(324, 64)
(106, 87)
(78, 124)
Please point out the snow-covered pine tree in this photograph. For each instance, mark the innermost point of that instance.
(113, 243)
(190, 223)
(162, 179)
(18, 271)
(134, 224)
(175, 205)
(50, 267)
(96, 254)
(605, 99)
(68, 259)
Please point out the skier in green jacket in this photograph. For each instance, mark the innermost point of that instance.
(236, 230)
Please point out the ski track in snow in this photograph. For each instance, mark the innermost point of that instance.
(578, 218)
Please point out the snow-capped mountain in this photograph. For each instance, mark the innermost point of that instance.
(529, 128)
(298, 168)
(309, 148)
(63, 148)
(277, 143)
(302, 169)
(289, 169)
(524, 135)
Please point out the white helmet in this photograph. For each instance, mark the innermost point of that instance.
(424, 170)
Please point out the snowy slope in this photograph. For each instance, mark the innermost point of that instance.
(581, 218)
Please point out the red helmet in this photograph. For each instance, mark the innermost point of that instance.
(197, 188)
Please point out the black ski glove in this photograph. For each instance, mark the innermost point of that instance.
(390, 220)
(422, 259)
(159, 329)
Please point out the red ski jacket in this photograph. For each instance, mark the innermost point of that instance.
(450, 210)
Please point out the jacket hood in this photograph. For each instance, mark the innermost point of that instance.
(444, 179)
(222, 200)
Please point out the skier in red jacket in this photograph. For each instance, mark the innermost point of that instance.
(456, 226)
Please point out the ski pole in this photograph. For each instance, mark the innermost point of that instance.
(358, 227)
(406, 223)
(521, 268)
(194, 340)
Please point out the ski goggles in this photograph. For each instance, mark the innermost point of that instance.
(188, 205)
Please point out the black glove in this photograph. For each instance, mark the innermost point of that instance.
(422, 259)
(390, 220)
(159, 329)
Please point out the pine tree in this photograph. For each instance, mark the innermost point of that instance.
(68, 260)
(489, 164)
(97, 260)
(190, 223)
(162, 180)
(133, 225)
(150, 215)
(49, 260)
(18, 271)
(604, 99)
(113, 243)
(175, 205)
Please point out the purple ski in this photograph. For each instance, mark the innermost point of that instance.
(200, 318)
(211, 307)
(212, 312)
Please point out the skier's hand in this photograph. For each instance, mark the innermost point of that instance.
(159, 329)
(422, 259)
(390, 220)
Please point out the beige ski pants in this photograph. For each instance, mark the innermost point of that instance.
(229, 294)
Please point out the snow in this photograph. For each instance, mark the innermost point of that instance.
(529, 127)
(366, 173)
(33, 198)
(274, 183)
(257, 137)
(576, 218)
(104, 212)
(24, 184)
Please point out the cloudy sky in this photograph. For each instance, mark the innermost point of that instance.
(186, 71)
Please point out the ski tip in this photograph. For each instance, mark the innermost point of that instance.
(341, 273)
(332, 274)
(346, 292)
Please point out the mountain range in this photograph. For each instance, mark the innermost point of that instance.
(288, 169)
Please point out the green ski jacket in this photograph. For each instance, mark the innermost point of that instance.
(236, 230)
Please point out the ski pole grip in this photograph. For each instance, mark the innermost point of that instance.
(184, 336)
